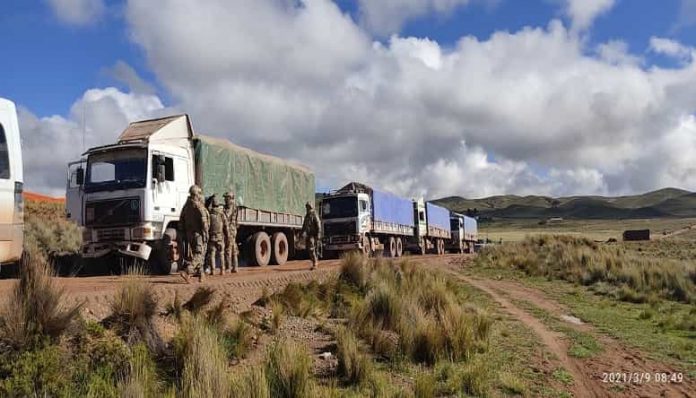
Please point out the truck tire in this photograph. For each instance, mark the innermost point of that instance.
(440, 247)
(391, 248)
(261, 249)
(422, 247)
(399, 247)
(280, 249)
(159, 262)
(366, 247)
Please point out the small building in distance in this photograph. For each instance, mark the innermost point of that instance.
(636, 235)
(555, 220)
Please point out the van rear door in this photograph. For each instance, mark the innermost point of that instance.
(11, 185)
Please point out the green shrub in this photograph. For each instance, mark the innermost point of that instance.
(142, 381)
(36, 373)
(425, 385)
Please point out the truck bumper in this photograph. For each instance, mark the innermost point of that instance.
(139, 250)
(342, 246)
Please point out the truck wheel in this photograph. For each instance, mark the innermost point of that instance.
(440, 247)
(366, 249)
(399, 247)
(392, 247)
(280, 248)
(422, 247)
(261, 253)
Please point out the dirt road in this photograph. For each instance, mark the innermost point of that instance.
(588, 373)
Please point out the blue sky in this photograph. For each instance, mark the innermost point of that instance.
(554, 97)
(53, 63)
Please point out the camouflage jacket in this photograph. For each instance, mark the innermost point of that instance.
(231, 214)
(311, 225)
(218, 224)
(194, 218)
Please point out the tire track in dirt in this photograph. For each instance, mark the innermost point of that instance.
(587, 373)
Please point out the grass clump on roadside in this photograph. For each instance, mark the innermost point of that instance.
(35, 311)
(46, 229)
(133, 310)
(288, 370)
(633, 277)
(201, 360)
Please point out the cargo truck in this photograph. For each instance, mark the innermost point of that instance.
(464, 233)
(11, 187)
(130, 194)
(432, 228)
(358, 217)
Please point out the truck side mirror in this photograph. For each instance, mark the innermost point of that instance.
(161, 172)
(80, 176)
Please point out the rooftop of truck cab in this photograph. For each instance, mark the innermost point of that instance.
(107, 148)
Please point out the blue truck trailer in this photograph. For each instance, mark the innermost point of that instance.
(359, 217)
(464, 233)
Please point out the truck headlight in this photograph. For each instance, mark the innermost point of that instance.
(145, 232)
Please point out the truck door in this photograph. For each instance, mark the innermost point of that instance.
(165, 192)
(74, 192)
(11, 185)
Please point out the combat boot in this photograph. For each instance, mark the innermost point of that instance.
(201, 276)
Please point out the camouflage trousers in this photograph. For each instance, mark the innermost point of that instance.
(195, 253)
(231, 252)
(311, 245)
(216, 249)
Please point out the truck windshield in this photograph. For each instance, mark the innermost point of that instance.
(119, 169)
(341, 207)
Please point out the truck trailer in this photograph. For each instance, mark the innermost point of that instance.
(130, 194)
(464, 233)
(359, 217)
(11, 189)
(432, 228)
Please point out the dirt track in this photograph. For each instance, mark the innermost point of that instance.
(587, 373)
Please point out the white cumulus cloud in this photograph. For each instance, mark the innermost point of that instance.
(583, 12)
(385, 17)
(671, 48)
(49, 143)
(78, 12)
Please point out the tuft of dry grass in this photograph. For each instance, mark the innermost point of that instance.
(142, 377)
(288, 370)
(354, 366)
(200, 354)
(133, 309)
(238, 339)
(354, 270)
(250, 382)
(47, 230)
(35, 310)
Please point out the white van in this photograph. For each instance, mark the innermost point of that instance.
(11, 186)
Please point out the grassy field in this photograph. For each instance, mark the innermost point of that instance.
(643, 293)
(600, 230)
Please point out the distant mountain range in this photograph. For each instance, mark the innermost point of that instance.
(668, 202)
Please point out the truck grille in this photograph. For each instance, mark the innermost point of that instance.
(340, 228)
(122, 211)
(111, 234)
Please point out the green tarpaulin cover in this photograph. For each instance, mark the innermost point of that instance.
(259, 181)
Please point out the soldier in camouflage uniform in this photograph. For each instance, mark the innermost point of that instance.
(218, 233)
(311, 229)
(194, 223)
(231, 251)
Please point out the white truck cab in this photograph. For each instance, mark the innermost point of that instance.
(126, 196)
(11, 186)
